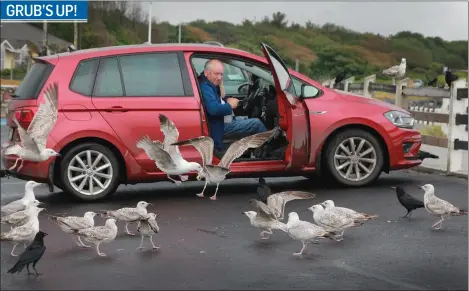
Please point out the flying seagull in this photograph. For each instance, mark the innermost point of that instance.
(217, 173)
(33, 140)
(166, 155)
(439, 207)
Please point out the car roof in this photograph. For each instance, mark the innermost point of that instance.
(145, 47)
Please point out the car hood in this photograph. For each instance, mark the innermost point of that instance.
(378, 103)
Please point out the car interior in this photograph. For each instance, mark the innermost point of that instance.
(255, 88)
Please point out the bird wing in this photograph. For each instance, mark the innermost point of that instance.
(74, 222)
(203, 144)
(13, 207)
(237, 148)
(171, 135)
(32, 253)
(391, 70)
(26, 140)
(46, 117)
(440, 206)
(95, 233)
(262, 209)
(128, 213)
(156, 153)
(18, 233)
(16, 218)
(334, 220)
(276, 202)
(153, 225)
(263, 191)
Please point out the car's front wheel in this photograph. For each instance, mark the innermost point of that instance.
(354, 157)
(89, 171)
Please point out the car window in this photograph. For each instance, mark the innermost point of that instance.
(297, 84)
(154, 74)
(108, 80)
(33, 81)
(231, 73)
(83, 78)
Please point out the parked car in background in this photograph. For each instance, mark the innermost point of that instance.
(110, 97)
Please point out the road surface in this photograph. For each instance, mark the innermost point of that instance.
(210, 245)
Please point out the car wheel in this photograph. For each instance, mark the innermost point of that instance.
(89, 171)
(354, 157)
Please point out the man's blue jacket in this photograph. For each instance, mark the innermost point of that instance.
(215, 110)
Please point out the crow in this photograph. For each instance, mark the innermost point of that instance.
(426, 155)
(263, 191)
(32, 254)
(340, 77)
(450, 77)
(408, 201)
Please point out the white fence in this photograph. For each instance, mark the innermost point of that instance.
(447, 108)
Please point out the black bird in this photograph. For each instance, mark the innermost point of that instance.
(408, 201)
(450, 77)
(426, 155)
(340, 77)
(32, 254)
(263, 191)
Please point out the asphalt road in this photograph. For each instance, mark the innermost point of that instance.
(210, 245)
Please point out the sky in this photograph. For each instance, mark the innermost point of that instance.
(448, 20)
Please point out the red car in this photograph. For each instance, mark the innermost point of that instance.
(111, 97)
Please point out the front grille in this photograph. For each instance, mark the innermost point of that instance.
(406, 147)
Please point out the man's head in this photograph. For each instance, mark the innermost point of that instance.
(213, 70)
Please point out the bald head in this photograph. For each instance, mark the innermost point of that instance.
(213, 70)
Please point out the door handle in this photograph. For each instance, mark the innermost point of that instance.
(116, 108)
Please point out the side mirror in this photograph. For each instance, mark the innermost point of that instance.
(308, 91)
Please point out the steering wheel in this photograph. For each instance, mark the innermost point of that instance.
(254, 91)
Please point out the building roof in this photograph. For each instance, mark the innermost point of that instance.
(19, 34)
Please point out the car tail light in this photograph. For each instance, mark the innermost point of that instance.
(24, 117)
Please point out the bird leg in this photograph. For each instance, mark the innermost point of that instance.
(21, 166)
(27, 268)
(16, 163)
(81, 244)
(14, 246)
(175, 181)
(151, 240)
(141, 243)
(25, 245)
(440, 222)
(127, 229)
(302, 249)
(214, 197)
(407, 214)
(184, 178)
(201, 194)
(34, 268)
(269, 232)
(99, 253)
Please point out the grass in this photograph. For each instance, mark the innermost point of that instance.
(433, 130)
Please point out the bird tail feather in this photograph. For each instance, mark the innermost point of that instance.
(282, 226)
(106, 213)
(17, 268)
(369, 216)
(3, 236)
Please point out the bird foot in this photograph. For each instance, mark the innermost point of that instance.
(30, 274)
(140, 248)
(85, 246)
(102, 254)
(184, 178)
(178, 183)
(38, 274)
(130, 233)
(297, 254)
(200, 195)
(14, 255)
(214, 197)
(156, 248)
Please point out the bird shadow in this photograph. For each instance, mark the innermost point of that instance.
(264, 244)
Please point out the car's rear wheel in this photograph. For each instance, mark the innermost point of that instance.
(89, 171)
(354, 157)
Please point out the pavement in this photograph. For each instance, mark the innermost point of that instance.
(211, 245)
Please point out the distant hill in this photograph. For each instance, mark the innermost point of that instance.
(323, 51)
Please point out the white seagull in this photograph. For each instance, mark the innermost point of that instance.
(128, 214)
(71, 223)
(20, 204)
(25, 233)
(167, 156)
(21, 217)
(347, 212)
(331, 221)
(99, 234)
(217, 173)
(304, 231)
(439, 207)
(32, 146)
(397, 71)
(147, 228)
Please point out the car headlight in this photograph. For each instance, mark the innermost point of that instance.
(400, 119)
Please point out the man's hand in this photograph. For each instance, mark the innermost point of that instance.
(233, 102)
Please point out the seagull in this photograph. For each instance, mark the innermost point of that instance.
(304, 231)
(276, 202)
(33, 140)
(99, 234)
(70, 223)
(217, 173)
(128, 214)
(331, 221)
(147, 228)
(408, 201)
(349, 213)
(20, 204)
(396, 71)
(21, 217)
(25, 233)
(264, 220)
(439, 207)
(166, 155)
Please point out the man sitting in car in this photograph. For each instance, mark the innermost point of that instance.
(220, 117)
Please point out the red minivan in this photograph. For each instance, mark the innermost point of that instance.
(110, 97)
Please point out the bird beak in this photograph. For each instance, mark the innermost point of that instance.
(421, 187)
(149, 204)
(394, 188)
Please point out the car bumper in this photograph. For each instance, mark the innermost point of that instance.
(404, 149)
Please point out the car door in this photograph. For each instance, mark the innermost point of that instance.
(296, 155)
(131, 91)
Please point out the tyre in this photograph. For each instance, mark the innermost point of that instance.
(354, 158)
(89, 171)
